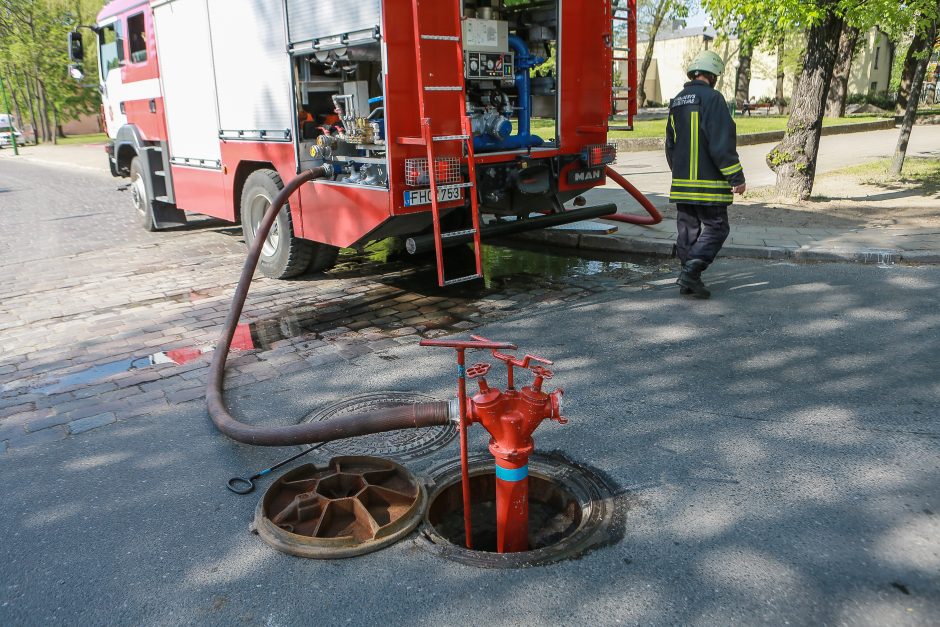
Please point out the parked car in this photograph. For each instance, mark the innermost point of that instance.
(8, 130)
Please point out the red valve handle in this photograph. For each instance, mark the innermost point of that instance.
(514, 361)
(478, 370)
(543, 372)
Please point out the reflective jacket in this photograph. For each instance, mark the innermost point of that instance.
(701, 147)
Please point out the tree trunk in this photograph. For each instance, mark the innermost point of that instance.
(918, 43)
(30, 104)
(658, 17)
(742, 82)
(781, 74)
(794, 159)
(56, 126)
(910, 114)
(44, 112)
(838, 90)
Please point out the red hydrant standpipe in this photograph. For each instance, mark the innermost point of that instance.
(510, 417)
(654, 216)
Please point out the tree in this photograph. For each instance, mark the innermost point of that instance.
(794, 159)
(920, 42)
(33, 53)
(650, 17)
(838, 90)
(742, 81)
(926, 32)
(753, 27)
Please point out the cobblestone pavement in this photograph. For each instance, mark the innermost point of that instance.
(103, 322)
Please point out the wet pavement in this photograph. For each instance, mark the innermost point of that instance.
(120, 323)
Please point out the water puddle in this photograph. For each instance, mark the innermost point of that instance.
(404, 295)
(93, 374)
(399, 295)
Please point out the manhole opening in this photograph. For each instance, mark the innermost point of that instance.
(573, 509)
(554, 513)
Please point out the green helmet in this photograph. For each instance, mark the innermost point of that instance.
(706, 61)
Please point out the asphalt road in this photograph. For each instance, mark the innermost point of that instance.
(780, 447)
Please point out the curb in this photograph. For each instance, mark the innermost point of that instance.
(643, 144)
(664, 248)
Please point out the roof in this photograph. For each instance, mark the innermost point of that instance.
(706, 32)
(116, 7)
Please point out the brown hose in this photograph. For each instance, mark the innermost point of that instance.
(348, 426)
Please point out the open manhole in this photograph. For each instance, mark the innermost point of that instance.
(403, 445)
(572, 509)
(351, 506)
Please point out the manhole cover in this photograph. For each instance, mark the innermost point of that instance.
(572, 509)
(351, 506)
(403, 445)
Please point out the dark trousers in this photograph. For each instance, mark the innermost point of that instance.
(703, 230)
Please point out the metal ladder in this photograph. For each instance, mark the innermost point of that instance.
(433, 110)
(625, 54)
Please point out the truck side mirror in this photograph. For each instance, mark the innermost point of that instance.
(76, 47)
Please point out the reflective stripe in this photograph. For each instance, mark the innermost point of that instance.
(688, 183)
(512, 475)
(701, 196)
(732, 169)
(693, 162)
(672, 122)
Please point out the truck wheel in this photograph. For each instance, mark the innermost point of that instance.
(283, 255)
(140, 197)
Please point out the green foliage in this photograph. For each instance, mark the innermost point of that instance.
(34, 59)
(881, 99)
(777, 158)
(897, 68)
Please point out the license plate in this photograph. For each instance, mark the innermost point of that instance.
(423, 196)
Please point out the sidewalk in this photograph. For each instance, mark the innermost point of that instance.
(859, 241)
(88, 158)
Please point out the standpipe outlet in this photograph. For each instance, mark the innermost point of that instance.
(347, 426)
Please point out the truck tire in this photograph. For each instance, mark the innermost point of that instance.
(283, 255)
(141, 198)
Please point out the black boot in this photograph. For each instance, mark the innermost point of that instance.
(691, 278)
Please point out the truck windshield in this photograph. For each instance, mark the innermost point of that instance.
(111, 44)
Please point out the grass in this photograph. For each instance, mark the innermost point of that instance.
(81, 140)
(657, 128)
(922, 173)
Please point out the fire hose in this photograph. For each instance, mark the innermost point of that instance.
(654, 216)
(347, 426)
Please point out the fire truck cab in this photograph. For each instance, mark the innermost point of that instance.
(212, 105)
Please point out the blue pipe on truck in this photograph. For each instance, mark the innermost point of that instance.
(524, 62)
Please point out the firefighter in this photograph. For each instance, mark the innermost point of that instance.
(701, 149)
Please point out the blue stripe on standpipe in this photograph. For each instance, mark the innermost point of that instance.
(512, 474)
(461, 372)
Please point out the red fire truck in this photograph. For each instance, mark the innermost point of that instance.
(422, 110)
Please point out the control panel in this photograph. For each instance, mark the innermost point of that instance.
(489, 66)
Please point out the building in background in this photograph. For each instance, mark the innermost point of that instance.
(672, 52)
